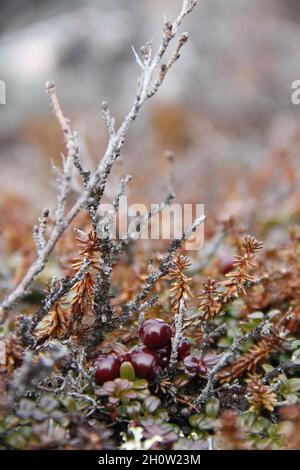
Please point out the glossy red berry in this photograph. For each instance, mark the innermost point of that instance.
(183, 348)
(145, 362)
(107, 368)
(155, 333)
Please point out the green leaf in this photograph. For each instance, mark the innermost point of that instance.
(194, 420)
(256, 315)
(249, 418)
(16, 440)
(38, 415)
(267, 367)
(202, 423)
(212, 408)
(70, 404)
(224, 343)
(127, 371)
(129, 395)
(293, 385)
(48, 404)
(143, 394)
(122, 410)
(260, 425)
(11, 421)
(291, 398)
(140, 384)
(151, 404)
(163, 415)
(207, 424)
(263, 443)
(296, 355)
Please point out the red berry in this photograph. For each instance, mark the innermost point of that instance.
(145, 362)
(183, 348)
(107, 368)
(164, 354)
(155, 333)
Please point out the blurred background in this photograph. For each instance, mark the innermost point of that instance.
(225, 109)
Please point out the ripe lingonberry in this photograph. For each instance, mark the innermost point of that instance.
(107, 368)
(145, 362)
(155, 333)
(183, 348)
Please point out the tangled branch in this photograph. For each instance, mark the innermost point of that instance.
(95, 183)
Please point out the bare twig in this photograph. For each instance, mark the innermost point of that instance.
(280, 370)
(99, 177)
(178, 323)
(39, 231)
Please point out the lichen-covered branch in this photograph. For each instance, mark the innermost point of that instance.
(116, 141)
(178, 324)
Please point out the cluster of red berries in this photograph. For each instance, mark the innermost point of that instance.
(148, 360)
